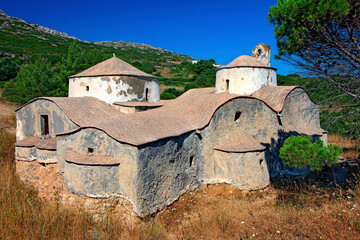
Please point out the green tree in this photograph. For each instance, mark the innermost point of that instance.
(299, 151)
(189, 86)
(322, 39)
(174, 91)
(203, 65)
(8, 69)
(35, 80)
(78, 60)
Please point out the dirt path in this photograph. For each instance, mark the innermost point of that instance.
(7, 115)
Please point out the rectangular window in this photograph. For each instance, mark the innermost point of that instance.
(87, 88)
(90, 151)
(44, 125)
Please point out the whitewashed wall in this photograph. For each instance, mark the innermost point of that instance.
(112, 89)
(244, 80)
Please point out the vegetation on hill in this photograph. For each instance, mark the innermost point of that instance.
(29, 42)
(39, 78)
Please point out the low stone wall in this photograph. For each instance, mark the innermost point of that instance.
(46, 156)
(92, 181)
(25, 153)
(247, 171)
(32, 153)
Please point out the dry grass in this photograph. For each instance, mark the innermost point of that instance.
(9, 119)
(351, 148)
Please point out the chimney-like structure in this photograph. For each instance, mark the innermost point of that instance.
(262, 52)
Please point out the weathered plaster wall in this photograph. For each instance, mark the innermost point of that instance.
(299, 111)
(256, 119)
(112, 89)
(46, 156)
(103, 145)
(29, 123)
(244, 80)
(167, 169)
(92, 181)
(25, 153)
(243, 170)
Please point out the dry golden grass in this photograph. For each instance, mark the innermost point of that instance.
(351, 148)
(9, 119)
(282, 211)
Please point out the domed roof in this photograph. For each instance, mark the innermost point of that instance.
(247, 61)
(112, 67)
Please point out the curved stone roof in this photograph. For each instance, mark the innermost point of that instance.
(240, 142)
(247, 61)
(192, 110)
(274, 96)
(112, 67)
(94, 160)
(81, 110)
(46, 144)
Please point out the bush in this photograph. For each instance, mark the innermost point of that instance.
(167, 96)
(190, 86)
(8, 69)
(173, 91)
(299, 151)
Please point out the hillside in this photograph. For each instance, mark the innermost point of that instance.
(28, 41)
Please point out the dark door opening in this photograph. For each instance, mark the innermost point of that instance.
(44, 125)
(227, 85)
(147, 94)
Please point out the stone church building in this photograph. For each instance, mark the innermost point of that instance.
(113, 137)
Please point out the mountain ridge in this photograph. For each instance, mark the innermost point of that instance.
(28, 40)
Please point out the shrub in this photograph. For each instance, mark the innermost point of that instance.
(8, 69)
(190, 86)
(173, 91)
(166, 96)
(299, 151)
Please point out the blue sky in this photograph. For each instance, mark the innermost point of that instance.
(222, 30)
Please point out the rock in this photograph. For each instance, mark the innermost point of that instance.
(354, 207)
(351, 192)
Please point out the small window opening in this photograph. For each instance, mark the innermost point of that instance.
(259, 53)
(279, 120)
(191, 160)
(87, 88)
(147, 94)
(237, 116)
(44, 125)
(261, 162)
(90, 150)
(227, 85)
